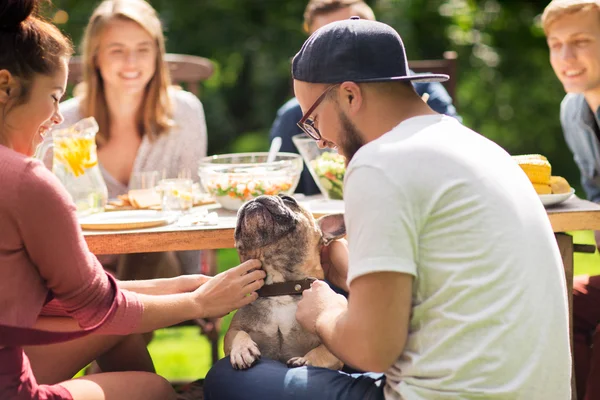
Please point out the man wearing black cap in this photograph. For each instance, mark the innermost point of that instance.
(447, 243)
(317, 14)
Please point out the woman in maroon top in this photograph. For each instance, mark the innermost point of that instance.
(59, 310)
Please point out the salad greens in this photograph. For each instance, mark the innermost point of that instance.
(330, 168)
(246, 189)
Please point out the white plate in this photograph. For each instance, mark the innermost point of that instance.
(322, 207)
(130, 219)
(552, 199)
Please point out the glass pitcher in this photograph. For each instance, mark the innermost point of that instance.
(75, 163)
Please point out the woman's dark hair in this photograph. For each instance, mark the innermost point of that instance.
(29, 45)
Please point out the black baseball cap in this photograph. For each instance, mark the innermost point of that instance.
(355, 50)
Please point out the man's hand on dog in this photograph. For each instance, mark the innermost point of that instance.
(319, 304)
(230, 290)
(334, 260)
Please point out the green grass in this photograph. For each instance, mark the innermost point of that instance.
(586, 263)
(182, 354)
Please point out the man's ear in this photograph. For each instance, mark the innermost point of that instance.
(352, 97)
(332, 227)
(8, 86)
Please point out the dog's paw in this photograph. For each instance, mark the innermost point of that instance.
(243, 357)
(296, 362)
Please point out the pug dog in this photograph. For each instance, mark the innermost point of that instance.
(288, 241)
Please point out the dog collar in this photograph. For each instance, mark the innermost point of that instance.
(285, 288)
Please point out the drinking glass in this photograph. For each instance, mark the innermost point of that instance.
(144, 180)
(176, 194)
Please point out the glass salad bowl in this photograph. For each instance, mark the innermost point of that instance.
(326, 166)
(233, 179)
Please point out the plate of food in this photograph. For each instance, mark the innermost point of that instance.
(556, 198)
(150, 199)
(127, 219)
(551, 189)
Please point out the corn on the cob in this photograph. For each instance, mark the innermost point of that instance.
(559, 185)
(525, 157)
(538, 170)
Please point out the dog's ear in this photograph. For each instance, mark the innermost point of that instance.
(332, 227)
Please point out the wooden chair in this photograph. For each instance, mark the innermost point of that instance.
(446, 65)
(188, 71)
(185, 69)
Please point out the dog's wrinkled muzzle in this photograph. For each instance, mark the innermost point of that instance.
(262, 221)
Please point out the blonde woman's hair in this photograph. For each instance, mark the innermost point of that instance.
(156, 113)
(558, 8)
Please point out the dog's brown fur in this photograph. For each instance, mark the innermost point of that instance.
(288, 241)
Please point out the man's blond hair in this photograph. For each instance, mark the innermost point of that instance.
(558, 8)
(315, 8)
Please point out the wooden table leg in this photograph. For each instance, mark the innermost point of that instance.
(565, 244)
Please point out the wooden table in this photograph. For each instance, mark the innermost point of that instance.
(164, 238)
(174, 238)
(573, 215)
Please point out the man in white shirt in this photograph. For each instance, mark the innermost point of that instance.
(456, 285)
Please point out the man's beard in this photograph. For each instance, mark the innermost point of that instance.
(350, 138)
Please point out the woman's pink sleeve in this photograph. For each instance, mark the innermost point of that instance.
(55, 244)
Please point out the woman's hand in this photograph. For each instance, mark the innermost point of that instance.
(230, 290)
(334, 260)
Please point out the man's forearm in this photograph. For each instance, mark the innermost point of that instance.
(353, 341)
(370, 330)
(342, 339)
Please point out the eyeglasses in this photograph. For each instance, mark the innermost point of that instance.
(307, 124)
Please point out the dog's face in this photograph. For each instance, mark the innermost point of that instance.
(285, 237)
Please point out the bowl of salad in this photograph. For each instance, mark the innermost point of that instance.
(326, 166)
(233, 179)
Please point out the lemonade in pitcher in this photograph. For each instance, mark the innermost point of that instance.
(75, 163)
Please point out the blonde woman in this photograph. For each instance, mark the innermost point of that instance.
(145, 123)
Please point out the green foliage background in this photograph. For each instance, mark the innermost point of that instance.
(506, 88)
